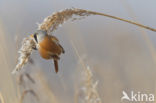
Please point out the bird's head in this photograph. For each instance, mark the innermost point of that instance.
(39, 35)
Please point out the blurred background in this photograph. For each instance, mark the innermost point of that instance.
(121, 56)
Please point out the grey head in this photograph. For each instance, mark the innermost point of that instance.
(39, 35)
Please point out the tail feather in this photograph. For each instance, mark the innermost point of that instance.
(56, 65)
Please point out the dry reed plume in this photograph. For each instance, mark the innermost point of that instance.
(51, 23)
(25, 52)
(89, 88)
(87, 93)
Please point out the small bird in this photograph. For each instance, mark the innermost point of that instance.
(48, 46)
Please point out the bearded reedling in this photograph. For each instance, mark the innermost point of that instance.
(48, 46)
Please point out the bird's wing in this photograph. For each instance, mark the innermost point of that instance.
(56, 65)
(54, 39)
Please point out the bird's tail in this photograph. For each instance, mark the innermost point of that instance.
(56, 65)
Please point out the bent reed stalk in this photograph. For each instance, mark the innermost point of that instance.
(51, 23)
(125, 20)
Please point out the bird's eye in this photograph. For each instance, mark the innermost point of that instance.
(35, 36)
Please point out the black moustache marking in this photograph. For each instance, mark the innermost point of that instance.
(35, 36)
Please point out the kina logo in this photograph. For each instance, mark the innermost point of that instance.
(137, 97)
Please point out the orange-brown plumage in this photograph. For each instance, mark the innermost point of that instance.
(49, 46)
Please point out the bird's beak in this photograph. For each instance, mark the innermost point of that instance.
(32, 35)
